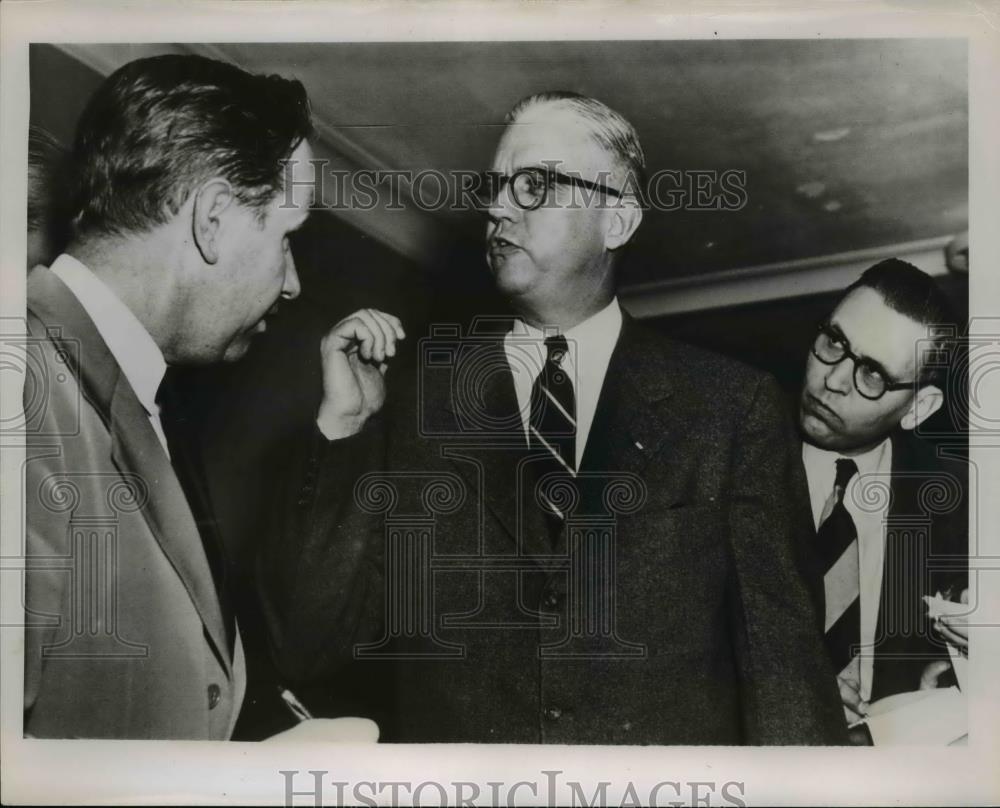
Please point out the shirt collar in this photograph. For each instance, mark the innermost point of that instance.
(821, 469)
(130, 343)
(589, 342)
(868, 463)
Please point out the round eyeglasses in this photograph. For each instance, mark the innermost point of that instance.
(870, 379)
(529, 187)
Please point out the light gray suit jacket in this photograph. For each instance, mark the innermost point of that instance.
(125, 635)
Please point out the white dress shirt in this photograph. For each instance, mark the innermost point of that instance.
(874, 467)
(590, 343)
(138, 356)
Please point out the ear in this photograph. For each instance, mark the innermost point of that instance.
(624, 220)
(211, 200)
(926, 402)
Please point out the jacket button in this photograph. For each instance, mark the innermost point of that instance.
(214, 696)
(551, 599)
(552, 713)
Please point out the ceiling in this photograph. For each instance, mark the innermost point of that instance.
(846, 145)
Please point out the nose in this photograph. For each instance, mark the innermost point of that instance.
(503, 207)
(840, 377)
(291, 287)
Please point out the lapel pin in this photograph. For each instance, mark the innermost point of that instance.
(639, 445)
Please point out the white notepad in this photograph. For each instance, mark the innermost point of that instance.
(935, 717)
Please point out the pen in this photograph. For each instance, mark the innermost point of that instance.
(296, 707)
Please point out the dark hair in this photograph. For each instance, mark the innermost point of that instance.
(914, 294)
(609, 128)
(46, 162)
(51, 182)
(158, 127)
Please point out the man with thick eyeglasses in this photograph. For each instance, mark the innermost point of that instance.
(889, 508)
(529, 187)
(614, 548)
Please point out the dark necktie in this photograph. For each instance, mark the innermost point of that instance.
(552, 422)
(177, 426)
(837, 539)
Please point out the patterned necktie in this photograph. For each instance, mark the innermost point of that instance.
(552, 423)
(837, 539)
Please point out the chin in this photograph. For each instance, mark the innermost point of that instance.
(512, 277)
(817, 433)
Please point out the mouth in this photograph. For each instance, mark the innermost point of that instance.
(813, 406)
(500, 247)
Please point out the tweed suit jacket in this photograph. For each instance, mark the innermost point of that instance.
(125, 636)
(671, 609)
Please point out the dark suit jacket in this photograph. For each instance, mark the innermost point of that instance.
(926, 552)
(671, 611)
(125, 635)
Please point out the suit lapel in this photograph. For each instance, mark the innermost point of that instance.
(629, 428)
(135, 448)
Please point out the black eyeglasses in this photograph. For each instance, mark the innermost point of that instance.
(870, 379)
(530, 186)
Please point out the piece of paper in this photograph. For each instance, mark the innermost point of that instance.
(330, 730)
(939, 607)
(919, 718)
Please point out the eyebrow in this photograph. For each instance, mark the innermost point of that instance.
(878, 366)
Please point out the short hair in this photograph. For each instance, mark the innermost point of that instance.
(51, 184)
(609, 128)
(914, 294)
(158, 127)
(47, 162)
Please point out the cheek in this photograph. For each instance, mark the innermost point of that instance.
(863, 419)
(568, 237)
(815, 373)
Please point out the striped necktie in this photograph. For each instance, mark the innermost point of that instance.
(552, 423)
(837, 539)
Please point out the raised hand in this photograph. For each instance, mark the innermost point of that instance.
(355, 356)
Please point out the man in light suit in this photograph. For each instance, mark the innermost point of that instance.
(565, 530)
(890, 508)
(193, 174)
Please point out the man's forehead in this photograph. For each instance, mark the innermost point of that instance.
(876, 330)
(550, 134)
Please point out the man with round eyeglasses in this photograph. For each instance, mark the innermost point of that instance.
(876, 371)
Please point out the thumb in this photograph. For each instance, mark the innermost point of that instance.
(929, 678)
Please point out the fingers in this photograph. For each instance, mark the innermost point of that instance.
(931, 673)
(850, 697)
(852, 716)
(371, 332)
(954, 629)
